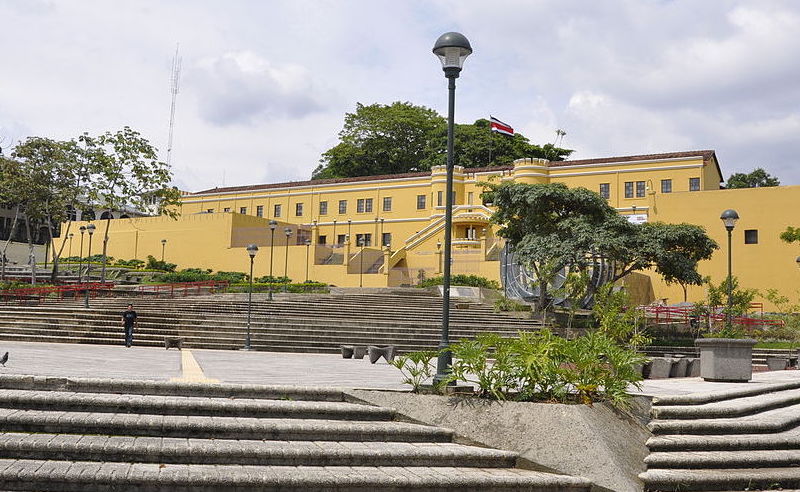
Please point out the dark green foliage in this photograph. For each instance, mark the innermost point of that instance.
(402, 137)
(231, 277)
(273, 280)
(790, 235)
(416, 367)
(617, 317)
(716, 303)
(506, 304)
(465, 280)
(304, 288)
(153, 264)
(136, 264)
(756, 179)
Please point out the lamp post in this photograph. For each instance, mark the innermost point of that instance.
(729, 218)
(252, 249)
(70, 244)
(452, 48)
(798, 261)
(80, 261)
(308, 249)
(272, 226)
(288, 232)
(349, 227)
(90, 229)
(361, 266)
(335, 240)
(163, 245)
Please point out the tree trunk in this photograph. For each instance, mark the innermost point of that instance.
(31, 254)
(105, 248)
(3, 258)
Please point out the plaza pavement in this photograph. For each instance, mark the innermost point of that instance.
(267, 368)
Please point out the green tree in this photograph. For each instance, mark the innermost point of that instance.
(790, 235)
(125, 172)
(10, 185)
(756, 179)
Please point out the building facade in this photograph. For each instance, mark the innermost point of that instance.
(388, 230)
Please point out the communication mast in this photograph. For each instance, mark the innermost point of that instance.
(175, 80)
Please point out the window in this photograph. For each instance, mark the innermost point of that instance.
(640, 189)
(340, 239)
(368, 205)
(364, 205)
(366, 238)
(666, 186)
(243, 210)
(628, 189)
(386, 239)
(694, 184)
(323, 208)
(439, 195)
(342, 206)
(605, 190)
(298, 209)
(226, 209)
(470, 197)
(322, 240)
(360, 206)
(277, 210)
(260, 211)
(387, 204)
(420, 202)
(751, 236)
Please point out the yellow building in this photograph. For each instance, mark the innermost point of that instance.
(388, 230)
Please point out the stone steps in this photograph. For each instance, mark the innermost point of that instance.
(96, 434)
(747, 439)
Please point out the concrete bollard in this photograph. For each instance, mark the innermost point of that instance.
(693, 367)
(347, 351)
(678, 369)
(660, 368)
(359, 352)
(376, 353)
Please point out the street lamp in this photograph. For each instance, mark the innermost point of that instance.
(90, 229)
(272, 226)
(308, 248)
(361, 266)
(80, 261)
(252, 249)
(163, 245)
(729, 218)
(798, 261)
(349, 226)
(288, 232)
(452, 48)
(70, 243)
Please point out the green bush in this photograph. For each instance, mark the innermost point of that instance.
(304, 288)
(617, 317)
(136, 264)
(273, 280)
(230, 277)
(189, 275)
(416, 367)
(153, 264)
(506, 304)
(465, 280)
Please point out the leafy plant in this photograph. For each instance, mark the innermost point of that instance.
(617, 318)
(416, 367)
(130, 263)
(465, 280)
(153, 264)
(506, 304)
(472, 362)
(273, 280)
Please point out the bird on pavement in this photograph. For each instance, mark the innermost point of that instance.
(4, 359)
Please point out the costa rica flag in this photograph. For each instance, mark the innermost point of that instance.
(500, 127)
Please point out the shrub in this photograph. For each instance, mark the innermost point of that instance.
(273, 280)
(137, 264)
(231, 277)
(304, 288)
(182, 276)
(416, 367)
(617, 317)
(465, 280)
(506, 304)
(153, 264)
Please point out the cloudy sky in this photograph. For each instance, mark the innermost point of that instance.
(265, 84)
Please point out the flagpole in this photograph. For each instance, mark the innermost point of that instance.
(491, 142)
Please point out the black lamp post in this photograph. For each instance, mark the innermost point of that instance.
(361, 266)
(308, 249)
(163, 245)
(288, 232)
(70, 243)
(798, 261)
(90, 229)
(349, 227)
(452, 48)
(272, 226)
(80, 261)
(252, 249)
(729, 218)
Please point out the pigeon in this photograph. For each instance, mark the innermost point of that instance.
(4, 359)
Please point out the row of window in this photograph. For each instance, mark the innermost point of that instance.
(638, 188)
(361, 239)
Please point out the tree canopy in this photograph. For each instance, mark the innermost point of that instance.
(756, 179)
(402, 137)
(551, 226)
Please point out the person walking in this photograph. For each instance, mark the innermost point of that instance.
(129, 321)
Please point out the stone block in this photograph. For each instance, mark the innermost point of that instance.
(726, 359)
(359, 352)
(376, 353)
(173, 342)
(692, 367)
(660, 368)
(678, 369)
(347, 351)
(775, 363)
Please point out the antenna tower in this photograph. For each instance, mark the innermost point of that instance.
(175, 80)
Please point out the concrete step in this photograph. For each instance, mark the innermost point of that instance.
(736, 407)
(703, 398)
(71, 447)
(722, 479)
(780, 440)
(20, 474)
(769, 421)
(724, 459)
(182, 405)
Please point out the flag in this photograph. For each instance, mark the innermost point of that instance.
(500, 127)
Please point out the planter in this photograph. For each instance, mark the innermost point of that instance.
(726, 359)
(775, 363)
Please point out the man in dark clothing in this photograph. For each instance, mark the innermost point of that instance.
(128, 321)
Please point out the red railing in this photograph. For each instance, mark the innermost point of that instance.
(59, 292)
(686, 314)
(182, 288)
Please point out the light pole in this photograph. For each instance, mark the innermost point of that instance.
(797, 261)
(452, 48)
(335, 241)
(349, 226)
(288, 232)
(272, 226)
(308, 249)
(163, 245)
(252, 249)
(70, 244)
(729, 218)
(90, 229)
(80, 261)
(361, 266)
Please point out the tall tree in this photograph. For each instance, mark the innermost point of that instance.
(756, 179)
(11, 183)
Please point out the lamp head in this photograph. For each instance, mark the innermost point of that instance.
(729, 218)
(252, 249)
(273, 224)
(70, 235)
(452, 48)
(438, 245)
(798, 261)
(90, 229)
(307, 242)
(288, 231)
(82, 229)
(163, 241)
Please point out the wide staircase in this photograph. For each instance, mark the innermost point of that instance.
(409, 319)
(736, 440)
(93, 434)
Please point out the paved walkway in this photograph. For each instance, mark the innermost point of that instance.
(230, 366)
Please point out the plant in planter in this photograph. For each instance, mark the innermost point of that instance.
(416, 367)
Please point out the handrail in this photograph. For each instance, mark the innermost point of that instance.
(59, 291)
(686, 314)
